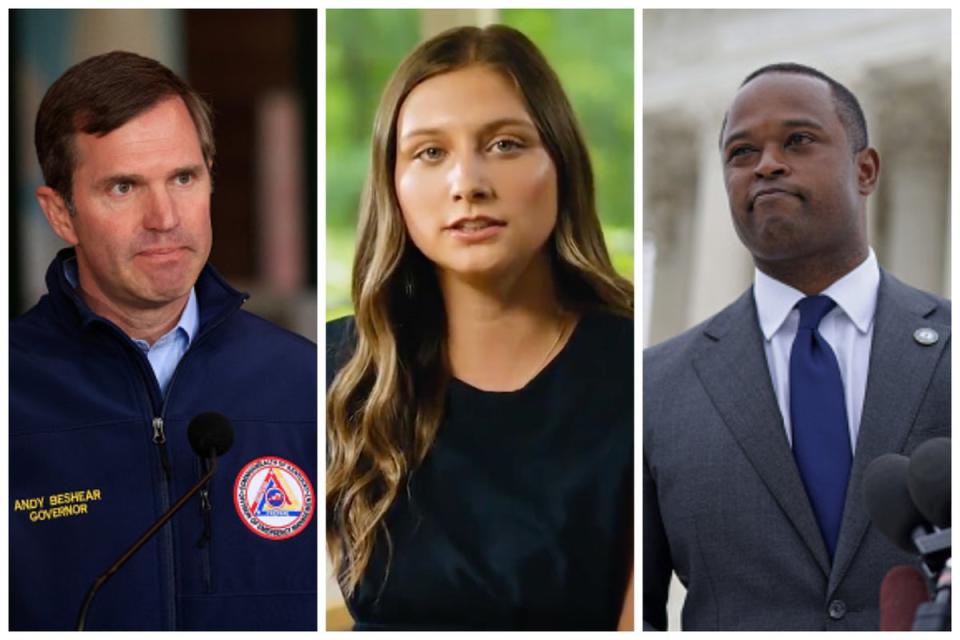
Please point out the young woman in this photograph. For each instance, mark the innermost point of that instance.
(480, 402)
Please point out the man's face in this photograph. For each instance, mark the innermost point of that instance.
(796, 188)
(142, 199)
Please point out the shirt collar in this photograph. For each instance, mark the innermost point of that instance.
(190, 318)
(70, 271)
(189, 321)
(855, 293)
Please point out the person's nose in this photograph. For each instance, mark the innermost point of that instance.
(469, 179)
(771, 163)
(161, 211)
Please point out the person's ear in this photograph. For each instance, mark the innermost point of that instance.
(58, 214)
(868, 170)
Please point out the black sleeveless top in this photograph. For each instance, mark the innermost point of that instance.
(520, 517)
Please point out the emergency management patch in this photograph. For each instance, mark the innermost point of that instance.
(274, 498)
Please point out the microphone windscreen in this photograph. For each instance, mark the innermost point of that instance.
(903, 590)
(888, 500)
(928, 479)
(210, 434)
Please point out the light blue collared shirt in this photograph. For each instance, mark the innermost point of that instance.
(848, 328)
(165, 354)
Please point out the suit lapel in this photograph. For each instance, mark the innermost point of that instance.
(900, 372)
(733, 370)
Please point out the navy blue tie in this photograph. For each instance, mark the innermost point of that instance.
(821, 437)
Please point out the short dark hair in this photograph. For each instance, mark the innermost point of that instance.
(848, 107)
(99, 95)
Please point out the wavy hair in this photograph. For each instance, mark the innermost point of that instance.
(385, 405)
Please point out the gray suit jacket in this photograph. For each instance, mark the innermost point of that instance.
(724, 506)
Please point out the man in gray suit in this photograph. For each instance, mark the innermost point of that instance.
(748, 497)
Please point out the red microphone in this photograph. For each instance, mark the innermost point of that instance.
(902, 591)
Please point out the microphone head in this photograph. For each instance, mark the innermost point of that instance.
(903, 590)
(888, 500)
(928, 480)
(210, 434)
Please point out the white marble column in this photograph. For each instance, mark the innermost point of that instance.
(722, 267)
(911, 118)
(670, 180)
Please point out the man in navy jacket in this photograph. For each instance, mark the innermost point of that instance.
(136, 336)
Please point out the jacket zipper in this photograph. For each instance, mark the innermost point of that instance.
(206, 507)
(165, 535)
(203, 544)
(160, 439)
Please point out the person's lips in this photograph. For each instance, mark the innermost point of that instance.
(474, 223)
(160, 253)
(475, 228)
(771, 192)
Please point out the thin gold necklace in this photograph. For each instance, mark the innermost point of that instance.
(546, 358)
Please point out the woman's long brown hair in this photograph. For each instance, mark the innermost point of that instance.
(385, 405)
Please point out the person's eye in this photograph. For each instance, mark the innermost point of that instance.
(184, 178)
(506, 145)
(738, 151)
(121, 188)
(799, 139)
(430, 154)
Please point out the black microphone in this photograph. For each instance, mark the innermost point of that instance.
(928, 480)
(893, 512)
(888, 501)
(210, 435)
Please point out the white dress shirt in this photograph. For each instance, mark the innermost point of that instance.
(848, 327)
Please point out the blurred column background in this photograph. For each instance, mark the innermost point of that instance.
(897, 63)
(258, 69)
(591, 51)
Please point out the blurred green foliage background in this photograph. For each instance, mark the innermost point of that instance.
(590, 49)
